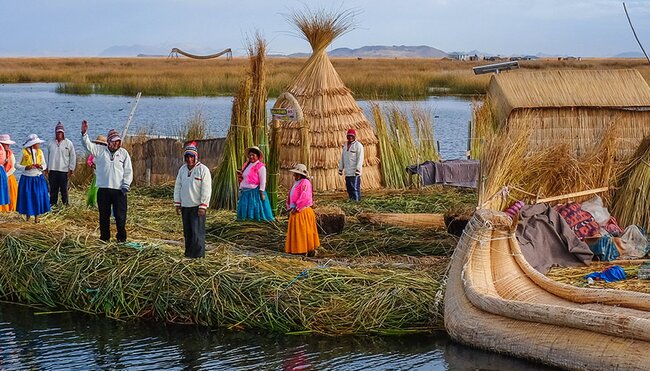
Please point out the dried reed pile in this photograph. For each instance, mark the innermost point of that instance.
(632, 200)
(329, 109)
(56, 266)
(401, 146)
(576, 276)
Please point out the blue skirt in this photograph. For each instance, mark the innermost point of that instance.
(4, 187)
(251, 206)
(33, 196)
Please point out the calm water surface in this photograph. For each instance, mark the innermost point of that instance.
(33, 340)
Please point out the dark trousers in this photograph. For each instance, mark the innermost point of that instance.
(194, 232)
(353, 185)
(106, 199)
(58, 182)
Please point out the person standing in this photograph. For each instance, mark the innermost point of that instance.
(302, 232)
(192, 192)
(62, 160)
(253, 201)
(114, 174)
(4, 185)
(350, 164)
(33, 196)
(10, 168)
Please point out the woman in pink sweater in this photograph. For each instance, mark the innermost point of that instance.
(302, 233)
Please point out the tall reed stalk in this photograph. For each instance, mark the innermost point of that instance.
(259, 93)
(225, 185)
(402, 143)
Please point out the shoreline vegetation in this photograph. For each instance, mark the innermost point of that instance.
(367, 78)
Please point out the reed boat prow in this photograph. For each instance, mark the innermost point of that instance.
(496, 301)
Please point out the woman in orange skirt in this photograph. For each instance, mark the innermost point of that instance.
(10, 168)
(302, 234)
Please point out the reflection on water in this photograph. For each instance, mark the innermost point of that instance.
(74, 341)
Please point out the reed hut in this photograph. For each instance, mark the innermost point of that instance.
(329, 110)
(574, 107)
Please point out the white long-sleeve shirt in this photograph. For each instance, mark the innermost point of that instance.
(193, 187)
(61, 155)
(112, 169)
(351, 159)
(33, 171)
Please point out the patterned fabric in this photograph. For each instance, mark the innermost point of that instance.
(113, 136)
(612, 227)
(580, 221)
(192, 150)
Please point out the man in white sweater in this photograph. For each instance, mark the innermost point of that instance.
(350, 164)
(61, 160)
(192, 193)
(114, 174)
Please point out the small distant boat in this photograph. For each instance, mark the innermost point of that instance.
(496, 301)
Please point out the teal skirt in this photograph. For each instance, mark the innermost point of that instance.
(251, 207)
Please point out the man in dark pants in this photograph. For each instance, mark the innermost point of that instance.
(192, 192)
(350, 164)
(61, 161)
(114, 174)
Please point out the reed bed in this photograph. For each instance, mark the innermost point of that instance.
(402, 78)
(369, 279)
(61, 268)
(404, 140)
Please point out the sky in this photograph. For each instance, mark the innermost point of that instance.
(596, 28)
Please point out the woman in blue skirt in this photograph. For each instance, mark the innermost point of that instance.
(253, 201)
(33, 195)
(4, 183)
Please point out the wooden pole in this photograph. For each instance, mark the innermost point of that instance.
(571, 195)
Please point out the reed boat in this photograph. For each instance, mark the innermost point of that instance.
(495, 300)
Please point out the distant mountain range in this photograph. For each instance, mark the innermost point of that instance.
(375, 51)
(382, 51)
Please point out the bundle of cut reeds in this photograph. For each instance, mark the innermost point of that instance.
(399, 145)
(259, 93)
(631, 203)
(225, 185)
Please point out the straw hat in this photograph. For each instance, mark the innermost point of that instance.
(255, 149)
(31, 140)
(300, 169)
(6, 139)
(101, 139)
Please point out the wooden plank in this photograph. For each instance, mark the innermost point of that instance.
(574, 194)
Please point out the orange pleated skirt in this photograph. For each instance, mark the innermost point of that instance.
(302, 234)
(13, 194)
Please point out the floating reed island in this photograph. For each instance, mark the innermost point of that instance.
(354, 286)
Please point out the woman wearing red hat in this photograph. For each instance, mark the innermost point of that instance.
(351, 164)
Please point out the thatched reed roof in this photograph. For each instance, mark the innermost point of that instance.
(328, 107)
(568, 88)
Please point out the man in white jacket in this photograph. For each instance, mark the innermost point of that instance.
(114, 174)
(192, 193)
(351, 164)
(61, 161)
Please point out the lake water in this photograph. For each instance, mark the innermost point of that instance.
(36, 108)
(33, 340)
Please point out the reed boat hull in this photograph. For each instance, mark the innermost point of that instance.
(496, 301)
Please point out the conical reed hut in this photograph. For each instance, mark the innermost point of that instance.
(329, 109)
